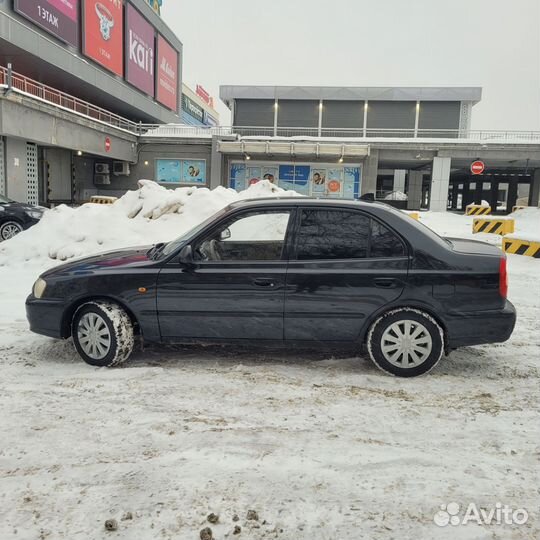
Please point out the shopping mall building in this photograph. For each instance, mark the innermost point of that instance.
(92, 100)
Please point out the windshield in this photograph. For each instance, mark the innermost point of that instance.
(5, 200)
(171, 247)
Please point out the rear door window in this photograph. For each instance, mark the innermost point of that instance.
(326, 234)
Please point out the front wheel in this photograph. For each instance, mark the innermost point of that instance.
(9, 229)
(103, 334)
(405, 342)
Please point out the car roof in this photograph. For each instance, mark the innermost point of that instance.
(304, 201)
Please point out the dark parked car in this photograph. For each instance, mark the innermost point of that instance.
(295, 271)
(16, 217)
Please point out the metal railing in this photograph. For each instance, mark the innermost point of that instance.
(19, 83)
(366, 135)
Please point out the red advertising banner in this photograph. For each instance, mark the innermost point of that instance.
(167, 74)
(140, 51)
(59, 17)
(103, 33)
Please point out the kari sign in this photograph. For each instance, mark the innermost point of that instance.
(167, 74)
(58, 17)
(103, 33)
(140, 51)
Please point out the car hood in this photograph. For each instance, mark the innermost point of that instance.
(21, 206)
(123, 258)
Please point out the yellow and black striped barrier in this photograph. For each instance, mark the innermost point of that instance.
(477, 210)
(521, 247)
(493, 226)
(516, 208)
(96, 199)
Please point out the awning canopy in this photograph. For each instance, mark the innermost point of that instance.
(293, 148)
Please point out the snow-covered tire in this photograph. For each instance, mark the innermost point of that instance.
(405, 342)
(9, 229)
(103, 334)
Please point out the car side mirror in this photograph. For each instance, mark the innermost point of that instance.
(225, 234)
(186, 256)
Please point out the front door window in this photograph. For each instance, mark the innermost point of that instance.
(249, 237)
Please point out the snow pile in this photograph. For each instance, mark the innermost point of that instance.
(396, 196)
(148, 215)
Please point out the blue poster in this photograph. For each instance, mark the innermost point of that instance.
(194, 172)
(297, 174)
(169, 171)
(238, 176)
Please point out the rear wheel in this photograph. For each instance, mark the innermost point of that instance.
(9, 229)
(103, 334)
(405, 342)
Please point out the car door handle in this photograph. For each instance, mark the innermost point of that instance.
(264, 282)
(385, 283)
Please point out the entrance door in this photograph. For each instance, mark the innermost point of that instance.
(346, 266)
(236, 286)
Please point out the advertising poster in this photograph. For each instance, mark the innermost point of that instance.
(318, 181)
(254, 175)
(103, 33)
(168, 171)
(238, 176)
(194, 172)
(270, 174)
(167, 74)
(58, 17)
(140, 51)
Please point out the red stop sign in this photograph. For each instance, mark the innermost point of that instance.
(107, 144)
(478, 167)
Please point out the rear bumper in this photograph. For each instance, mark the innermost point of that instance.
(45, 316)
(478, 327)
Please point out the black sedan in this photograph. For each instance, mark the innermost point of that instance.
(288, 270)
(16, 217)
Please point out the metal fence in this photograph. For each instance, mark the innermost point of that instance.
(21, 84)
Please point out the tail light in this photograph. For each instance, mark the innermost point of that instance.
(503, 278)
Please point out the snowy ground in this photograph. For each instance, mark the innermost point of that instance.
(322, 445)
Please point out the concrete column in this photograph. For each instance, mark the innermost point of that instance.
(369, 173)
(440, 179)
(399, 180)
(216, 162)
(511, 196)
(414, 201)
(534, 192)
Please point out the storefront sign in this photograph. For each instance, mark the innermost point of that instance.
(167, 74)
(155, 5)
(189, 106)
(59, 17)
(299, 174)
(140, 51)
(103, 33)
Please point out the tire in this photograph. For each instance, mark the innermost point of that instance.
(103, 334)
(9, 229)
(421, 335)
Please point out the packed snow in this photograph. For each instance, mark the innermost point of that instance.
(320, 444)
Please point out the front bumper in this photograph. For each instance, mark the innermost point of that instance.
(479, 327)
(45, 316)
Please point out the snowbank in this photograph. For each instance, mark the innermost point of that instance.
(396, 196)
(148, 215)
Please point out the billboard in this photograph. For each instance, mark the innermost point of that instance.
(103, 33)
(140, 51)
(181, 171)
(192, 108)
(58, 17)
(167, 74)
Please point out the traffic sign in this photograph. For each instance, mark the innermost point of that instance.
(478, 167)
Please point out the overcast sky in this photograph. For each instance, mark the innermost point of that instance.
(494, 44)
